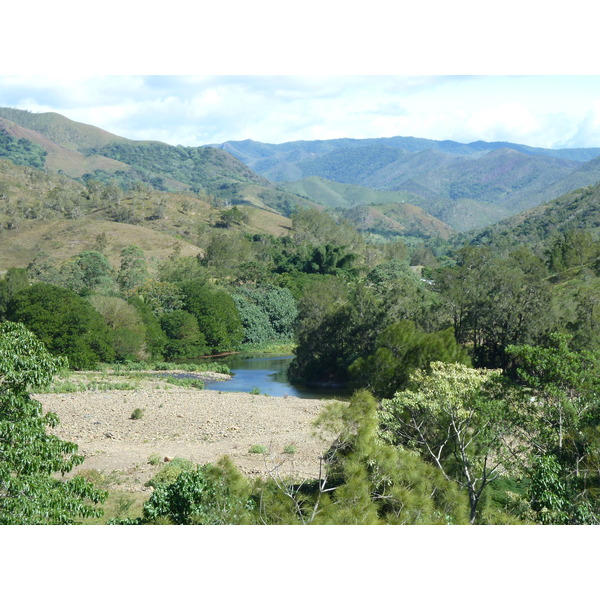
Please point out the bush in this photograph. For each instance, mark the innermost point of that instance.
(207, 495)
(169, 473)
(138, 413)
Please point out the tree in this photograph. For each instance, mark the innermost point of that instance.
(455, 417)
(495, 302)
(127, 327)
(184, 338)
(67, 324)
(267, 313)
(402, 348)
(368, 481)
(29, 492)
(217, 316)
(335, 326)
(560, 424)
(133, 271)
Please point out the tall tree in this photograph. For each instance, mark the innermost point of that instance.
(453, 416)
(30, 494)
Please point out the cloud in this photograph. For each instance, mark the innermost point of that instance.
(196, 110)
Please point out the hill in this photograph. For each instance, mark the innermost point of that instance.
(86, 152)
(539, 226)
(52, 213)
(379, 212)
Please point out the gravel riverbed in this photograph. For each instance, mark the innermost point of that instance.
(198, 425)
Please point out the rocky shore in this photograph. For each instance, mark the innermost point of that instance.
(198, 425)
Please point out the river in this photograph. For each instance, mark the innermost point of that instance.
(266, 374)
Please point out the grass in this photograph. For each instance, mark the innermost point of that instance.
(258, 449)
(290, 449)
(75, 385)
(120, 504)
(186, 382)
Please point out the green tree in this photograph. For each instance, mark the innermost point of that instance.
(30, 494)
(402, 348)
(455, 416)
(216, 313)
(133, 271)
(155, 336)
(335, 326)
(368, 481)
(127, 327)
(267, 313)
(560, 423)
(184, 338)
(67, 324)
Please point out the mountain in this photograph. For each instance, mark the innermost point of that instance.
(465, 185)
(380, 212)
(576, 210)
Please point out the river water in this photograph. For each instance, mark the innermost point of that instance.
(266, 374)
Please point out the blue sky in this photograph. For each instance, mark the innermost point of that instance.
(549, 111)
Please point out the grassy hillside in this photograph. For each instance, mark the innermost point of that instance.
(62, 239)
(48, 212)
(380, 212)
(60, 130)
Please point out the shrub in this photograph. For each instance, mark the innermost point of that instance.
(138, 413)
(169, 473)
(258, 449)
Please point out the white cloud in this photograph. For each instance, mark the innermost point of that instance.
(195, 110)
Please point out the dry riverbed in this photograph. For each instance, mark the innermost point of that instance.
(199, 425)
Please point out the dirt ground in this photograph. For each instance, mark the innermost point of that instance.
(198, 425)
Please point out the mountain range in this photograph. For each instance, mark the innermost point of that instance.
(412, 188)
(464, 185)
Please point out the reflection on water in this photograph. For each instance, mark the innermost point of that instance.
(268, 375)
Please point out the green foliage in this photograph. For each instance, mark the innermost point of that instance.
(267, 314)
(455, 416)
(216, 313)
(170, 472)
(232, 216)
(137, 413)
(127, 327)
(371, 482)
(155, 339)
(67, 324)
(402, 348)
(21, 151)
(560, 422)
(133, 271)
(336, 325)
(29, 492)
(184, 338)
(257, 449)
(207, 495)
(495, 302)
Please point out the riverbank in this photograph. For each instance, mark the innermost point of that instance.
(198, 425)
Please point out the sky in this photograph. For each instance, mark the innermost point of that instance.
(553, 111)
